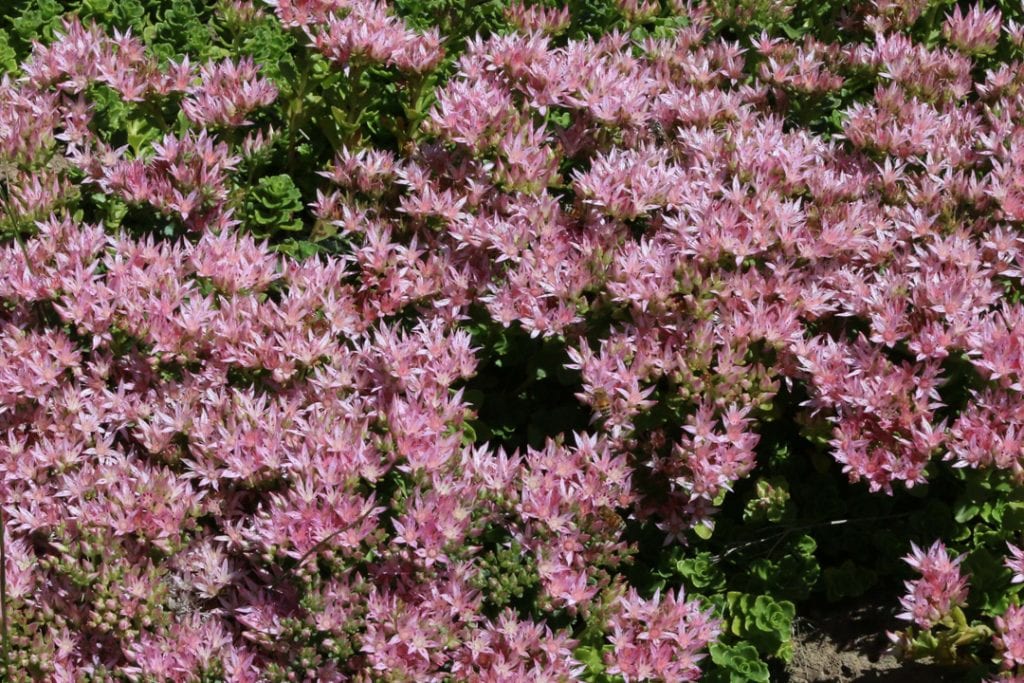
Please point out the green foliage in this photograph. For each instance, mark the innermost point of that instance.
(592, 657)
(950, 643)
(756, 630)
(797, 534)
(752, 15)
(769, 502)
(126, 13)
(182, 27)
(202, 29)
(120, 123)
(790, 572)
(660, 27)
(110, 211)
(702, 573)
(592, 17)
(989, 581)
(457, 20)
(271, 206)
(737, 664)
(32, 20)
(763, 622)
(270, 45)
(987, 513)
(508, 576)
(8, 56)
(522, 393)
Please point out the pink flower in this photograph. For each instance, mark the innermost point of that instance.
(975, 32)
(941, 587)
(1015, 563)
(1009, 638)
(227, 92)
(659, 638)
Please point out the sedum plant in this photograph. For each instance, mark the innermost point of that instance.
(544, 342)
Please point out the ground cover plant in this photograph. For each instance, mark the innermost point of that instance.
(477, 340)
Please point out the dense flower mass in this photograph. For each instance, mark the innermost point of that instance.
(223, 458)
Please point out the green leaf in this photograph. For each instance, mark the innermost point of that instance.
(272, 205)
(965, 513)
(140, 133)
(8, 57)
(701, 572)
(790, 573)
(297, 249)
(741, 662)
(989, 581)
(592, 657)
(769, 625)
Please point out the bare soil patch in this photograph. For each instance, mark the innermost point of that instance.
(852, 646)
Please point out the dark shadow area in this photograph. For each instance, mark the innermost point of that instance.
(522, 392)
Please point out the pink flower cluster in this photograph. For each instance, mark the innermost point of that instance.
(658, 639)
(226, 93)
(81, 55)
(349, 30)
(185, 176)
(930, 598)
